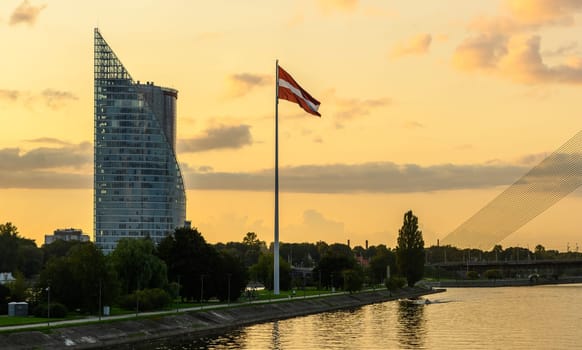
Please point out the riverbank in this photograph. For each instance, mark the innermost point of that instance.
(125, 332)
(502, 282)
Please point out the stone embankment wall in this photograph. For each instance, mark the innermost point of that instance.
(503, 282)
(113, 334)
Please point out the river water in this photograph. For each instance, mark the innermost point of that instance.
(540, 317)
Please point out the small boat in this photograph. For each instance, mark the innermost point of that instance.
(417, 301)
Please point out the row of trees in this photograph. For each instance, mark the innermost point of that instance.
(80, 277)
(183, 264)
(440, 254)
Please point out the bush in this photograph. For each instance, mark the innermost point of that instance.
(395, 282)
(353, 280)
(493, 274)
(472, 275)
(149, 299)
(58, 310)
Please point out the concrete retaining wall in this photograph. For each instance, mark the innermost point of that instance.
(108, 335)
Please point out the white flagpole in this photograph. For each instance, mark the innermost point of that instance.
(276, 242)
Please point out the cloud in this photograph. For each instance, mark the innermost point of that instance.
(523, 63)
(518, 59)
(379, 177)
(12, 159)
(9, 95)
(46, 167)
(26, 13)
(506, 45)
(527, 15)
(56, 99)
(48, 140)
(241, 84)
(480, 52)
(331, 6)
(417, 45)
(222, 137)
(413, 125)
(44, 180)
(346, 109)
(543, 12)
(567, 49)
(314, 222)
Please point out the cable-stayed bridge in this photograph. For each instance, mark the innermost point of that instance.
(543, 186)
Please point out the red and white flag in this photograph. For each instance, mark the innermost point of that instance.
(289, 90)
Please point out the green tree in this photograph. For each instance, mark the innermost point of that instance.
(252, 248)
(18, 287)
(332, 265)
(353, 279)
(4, 296)
(410, 250)
(382, 258)
(193, 262)
(540, 252)
(230, 273)
(18, 253)
(76, 279)
(262, 272)
(136, 265)
(58, 248)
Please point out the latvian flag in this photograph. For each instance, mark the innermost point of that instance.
(289, 90)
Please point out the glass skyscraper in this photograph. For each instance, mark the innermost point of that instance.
(138, 187)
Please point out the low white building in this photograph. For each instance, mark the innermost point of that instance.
(6, 277)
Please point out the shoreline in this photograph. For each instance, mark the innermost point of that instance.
(523, 282)
(124, 333)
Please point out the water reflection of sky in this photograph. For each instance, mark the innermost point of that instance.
(544, 317)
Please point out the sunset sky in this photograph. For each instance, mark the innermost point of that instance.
(434, 106)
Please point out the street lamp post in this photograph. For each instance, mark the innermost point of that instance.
(137, 299)
(48, 289)
(229, 274)
(179, 295)
(201, 290)
(100, 307)
(332, 287)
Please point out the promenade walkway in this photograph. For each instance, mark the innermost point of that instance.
(204, 307)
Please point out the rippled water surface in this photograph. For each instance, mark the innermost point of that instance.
(541, 317)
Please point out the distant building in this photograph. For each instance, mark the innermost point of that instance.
(363, 261)
(67, 234)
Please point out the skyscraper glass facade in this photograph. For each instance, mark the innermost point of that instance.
(138, 187)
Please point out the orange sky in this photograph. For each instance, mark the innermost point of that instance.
(434, 106)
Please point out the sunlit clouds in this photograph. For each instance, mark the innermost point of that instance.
(345, 109)
(67, 155)
(217, 138)
(56, 99)
(243, 83)
(26, 13)
(417, 45)
(59, 165)
(9, 95)
(380, 177)
(51, 98)
(509, 46)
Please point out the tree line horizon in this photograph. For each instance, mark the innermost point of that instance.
(183, 266)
